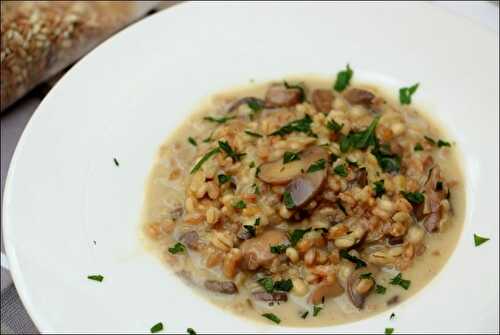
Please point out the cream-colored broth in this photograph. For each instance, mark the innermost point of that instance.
(164, 194)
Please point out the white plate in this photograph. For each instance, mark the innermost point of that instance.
(123, 99)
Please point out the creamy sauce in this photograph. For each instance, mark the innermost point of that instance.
(164, 194)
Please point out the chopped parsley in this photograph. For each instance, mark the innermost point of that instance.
(219, 120)
(387, 161)
(283, 285)
(279, 248)
(157, 328)
(192, 141)
(98, 278)
(256, 189)
(439, 186)
(415, 198)
(178, 247)
(240, 204)
(316, 310)
(379, 188)
(392, 316)
(301, 126)
(359, 262)
(478, 240)
(116, 162)
(190, 331)
(343, 79)
(290, 157)
(251, 165)
(287, 199)
(430, 140)
(405, 94)
(399, 281)
(204, 159)
(223, 178)
(360, 140)
(333, 158)
(317, 166)
(389, 331)
(442, 143)
(267, 284)
(334, 126)
(255, 105)
(304, 315)
(224, 145)
(367, 275)
(257, 171)
(297, 235)
(250, 229)
(272, 317)
(418, 147)
(251, 133)
(379, 289)
(298, 87)
(341, 170)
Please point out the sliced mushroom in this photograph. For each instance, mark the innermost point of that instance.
(270, 297)
(357, 96)
(177, 212)
(303, 188)
(276, 172)
(246, 100)
(430, 211)
(324, 291)
(225, 287)
(361, 177)
(322, 100)
(359, 288)
(279, 95)
(256, 251)
(191, 239)
(431, 222)
(392, 301)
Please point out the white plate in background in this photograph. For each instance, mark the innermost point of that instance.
(63, 190)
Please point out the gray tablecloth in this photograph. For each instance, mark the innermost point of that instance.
(14, 319)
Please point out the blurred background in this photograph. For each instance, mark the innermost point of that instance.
(41, 40)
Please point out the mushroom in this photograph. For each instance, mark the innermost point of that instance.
(256, 251)
(279, 95)
(191, 239)
(357, 96)
(246, 100)
(303, 188)
(270, 297)
(277, 173)
(322, 100)
(326, 290)
(359, 288)
(226, 287)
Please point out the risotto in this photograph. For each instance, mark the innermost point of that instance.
(306, 202)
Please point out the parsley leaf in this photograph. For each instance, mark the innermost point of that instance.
(224, 145)
(287, 199)
(204, 159)
(405, 94)
(178, 247)
(98, 278)
(389, 331)
(334, 126)
(379, 289)
(439, 186)
(442, 143)
(290, 157)
(283, 285)
(415, 198)
(267, 284)
(316, 310)
(418, 147)
(304, 315)
(223, 178)
(297, 235)
(250, 229)
(387, 161)
(192, 141)
(430, 140)
(240, 204)
(219, 120)
(343, 79)
(279, 248)
(379, 188)
(301, 126)
(478, 240)
(157, 328)
(398, 280)
(272, 317)
(341, 170)
(360, 140)
(251, 133)
(298, 87)
(317, 166)
(392, 316)
(256, 105)
(359, 262)
(116, 162)
(251, 165)
(190, 331)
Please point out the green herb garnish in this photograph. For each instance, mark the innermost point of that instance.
(389, 331)
(392, 316)
(290, 157)
(192, 141)
(272, 317)
(251, 133)
(343, 79)
(219, 120)
(267, 284)
(359, 262)
(418, 147)
(116, 162)
(379, 188)
(317, 166)
(439, 186)
(190, 331)
(367, 275)
(430, 140)
(250, 229)
(360, 140)
(304, 315)
(379, 289)
(316, 310)
(204, 159)
(387, 161)
(287, 199)
(157, 327)
(301, 126)
(283, 285)
(251, 165)
(224, 145)
(98, 278)
(341, 170)
(297, 235)
(334, 126)
(442, 143)
(405, 94)
(398, 280)
(279, 248)
(298, 87)
(478, 240)
(256, 106)
(223, 178)
(240, 204)
(414, 197)
(178, 247)
(333, 158)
